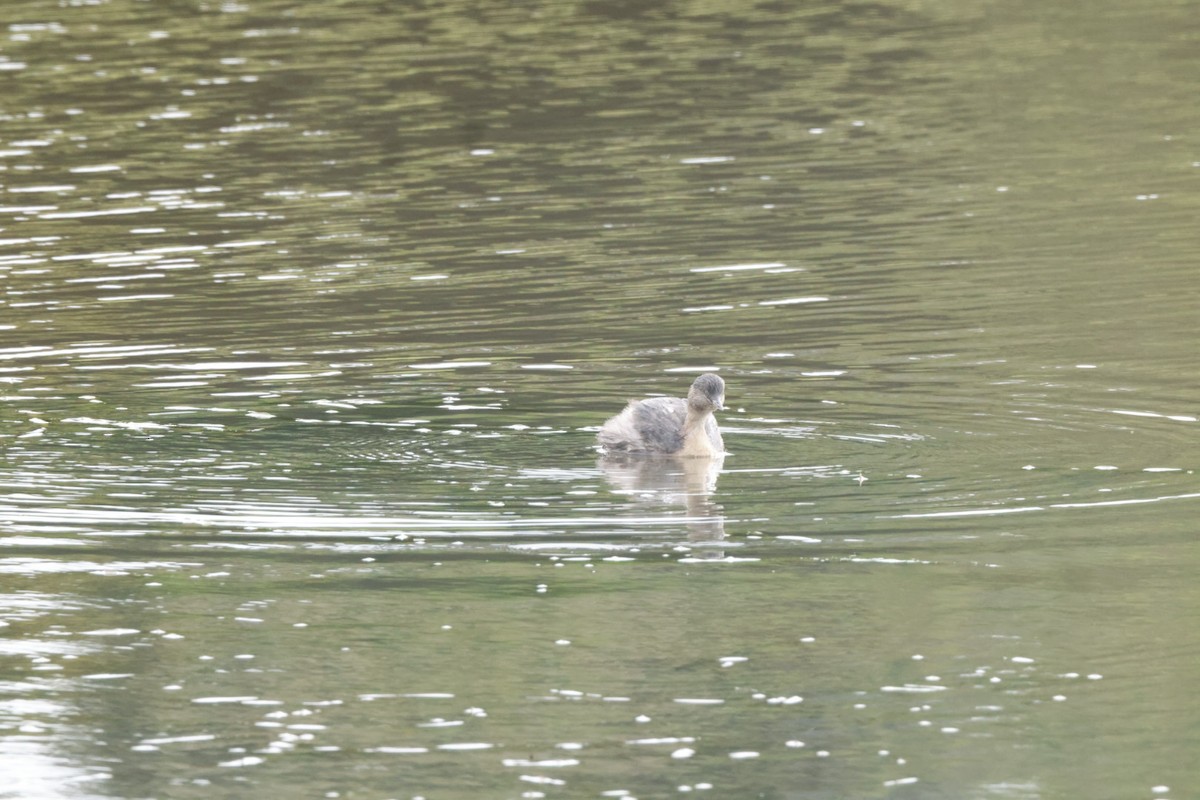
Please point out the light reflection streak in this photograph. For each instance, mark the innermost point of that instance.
(298, 524)
(988, 512)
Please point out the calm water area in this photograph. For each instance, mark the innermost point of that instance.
(310, 311)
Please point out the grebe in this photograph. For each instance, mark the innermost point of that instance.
(670, 425)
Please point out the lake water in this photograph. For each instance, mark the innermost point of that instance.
(311, 311)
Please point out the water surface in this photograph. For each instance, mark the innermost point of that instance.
(311, 312)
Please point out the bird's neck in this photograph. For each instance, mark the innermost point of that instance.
(695, 435)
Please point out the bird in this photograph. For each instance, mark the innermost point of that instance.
(669, 425)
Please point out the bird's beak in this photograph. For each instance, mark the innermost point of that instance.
(721, 404)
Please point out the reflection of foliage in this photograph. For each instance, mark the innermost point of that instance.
(340, 139)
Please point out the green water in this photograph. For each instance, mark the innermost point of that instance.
(310, 313)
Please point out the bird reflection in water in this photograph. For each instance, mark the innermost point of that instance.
(670, 481)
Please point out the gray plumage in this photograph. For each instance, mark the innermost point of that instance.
(669, 425)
